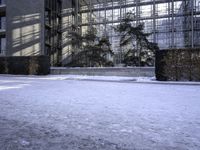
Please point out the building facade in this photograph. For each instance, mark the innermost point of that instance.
(2, 27)
(41, 27)
(30, 27)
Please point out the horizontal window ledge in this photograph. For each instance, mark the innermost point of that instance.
(48, 26)
(47, 8)
(2, 31)
(2, 8)
(2, 5)
(47, 44)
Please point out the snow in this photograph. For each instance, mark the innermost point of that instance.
(111, 113)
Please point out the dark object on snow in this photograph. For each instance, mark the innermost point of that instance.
(25, 65)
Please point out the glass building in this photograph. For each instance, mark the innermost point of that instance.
(29, 27)
(173, 23)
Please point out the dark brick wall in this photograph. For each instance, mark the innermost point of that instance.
(25, 65)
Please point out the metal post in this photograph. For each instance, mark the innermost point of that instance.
(90, 15)
(76, 15)
(154, 21)
(192, 23)
(173, 24)
(105, 16)
(120, 22)
(137, 12)
(137, 23)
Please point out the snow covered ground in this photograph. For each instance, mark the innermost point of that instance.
(97, 113)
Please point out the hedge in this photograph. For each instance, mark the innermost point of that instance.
(178, 65)
(25, 65)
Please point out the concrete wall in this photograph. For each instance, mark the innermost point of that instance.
(128, 72)
(25, 27)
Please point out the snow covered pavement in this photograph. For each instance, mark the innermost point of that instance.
(69, 113)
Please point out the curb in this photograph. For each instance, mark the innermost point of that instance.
(139, 82)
